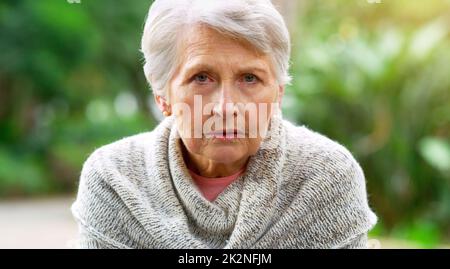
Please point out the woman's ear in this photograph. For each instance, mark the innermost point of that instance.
(280, 94)
(161, 103)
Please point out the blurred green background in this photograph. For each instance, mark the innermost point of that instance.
(373, 76)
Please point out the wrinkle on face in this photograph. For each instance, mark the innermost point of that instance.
(225, 60)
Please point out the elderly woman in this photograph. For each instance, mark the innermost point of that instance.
(223, 169)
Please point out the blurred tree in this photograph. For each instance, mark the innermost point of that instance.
(68, 72)
(375, 77)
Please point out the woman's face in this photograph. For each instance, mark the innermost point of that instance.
(219, 70)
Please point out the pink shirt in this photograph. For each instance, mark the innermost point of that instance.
(211, 187)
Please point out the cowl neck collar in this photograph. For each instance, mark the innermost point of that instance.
(241, 214)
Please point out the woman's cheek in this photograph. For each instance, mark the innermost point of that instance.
(193, 144)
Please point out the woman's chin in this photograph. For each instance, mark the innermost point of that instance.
(226, 153)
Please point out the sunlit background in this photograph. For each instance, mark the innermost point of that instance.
(373, 75)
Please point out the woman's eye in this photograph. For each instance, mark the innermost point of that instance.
(201, 78)
(250, 78)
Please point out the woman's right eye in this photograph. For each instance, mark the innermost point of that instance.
(201, 78)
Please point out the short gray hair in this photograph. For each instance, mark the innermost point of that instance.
(256, 21)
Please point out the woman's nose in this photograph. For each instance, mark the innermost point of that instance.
(225, 105)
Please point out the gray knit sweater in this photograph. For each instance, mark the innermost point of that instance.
(300, 190)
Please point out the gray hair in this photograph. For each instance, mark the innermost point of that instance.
(256, 21)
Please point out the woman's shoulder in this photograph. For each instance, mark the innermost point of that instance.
(124, 148)
(322, 160)
(109, 178)
(133, 146)
(330, 177)
(314, 145)
(122, 159)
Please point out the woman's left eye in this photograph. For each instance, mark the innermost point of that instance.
(201, 78)
(250, 78)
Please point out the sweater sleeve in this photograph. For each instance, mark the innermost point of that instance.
(360, 242)
(85, 240)
(349, 196)
(334, 206)
(97, 208)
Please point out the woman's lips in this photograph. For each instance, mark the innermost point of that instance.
(226, 135)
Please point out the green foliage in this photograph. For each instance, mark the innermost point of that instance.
(62, 60)
(375, 77)
(436, 151)
(425, 233)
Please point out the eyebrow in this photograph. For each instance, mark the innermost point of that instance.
(210, 68)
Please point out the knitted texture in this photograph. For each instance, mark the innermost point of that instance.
(300, 190)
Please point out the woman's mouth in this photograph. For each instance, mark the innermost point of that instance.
(226, 135)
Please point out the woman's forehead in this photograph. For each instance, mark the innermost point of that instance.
(198, 40)
(203, 47)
